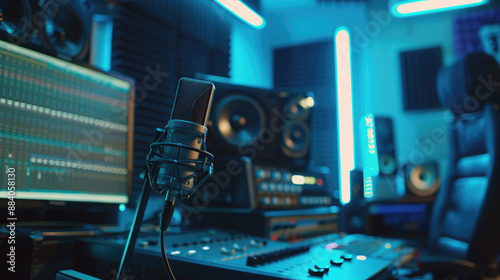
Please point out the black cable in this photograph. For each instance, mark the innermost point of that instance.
(164, 255)
(166, 217)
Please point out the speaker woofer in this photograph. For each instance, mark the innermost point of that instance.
(295, 139)
(238, 120)
(67, 29)
(15, 18)
(423, 180)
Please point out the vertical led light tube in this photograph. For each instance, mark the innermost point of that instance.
(344, 109)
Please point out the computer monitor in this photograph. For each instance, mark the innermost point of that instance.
(65, 130)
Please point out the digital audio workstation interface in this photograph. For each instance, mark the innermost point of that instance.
(66, 129)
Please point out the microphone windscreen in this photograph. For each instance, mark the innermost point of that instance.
(193, 101)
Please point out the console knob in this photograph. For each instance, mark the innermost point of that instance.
(265, 200)
(316, 272)
(254, 243)
(286, 176)
(239, 248)
(276, 201)
(337, 262)
(264, 187)
(226, 251)
(261, 174)
(347, 257)
(276, 175)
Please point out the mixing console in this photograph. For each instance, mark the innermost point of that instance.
(214, 254)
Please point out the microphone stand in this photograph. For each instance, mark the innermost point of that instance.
(136, 223)
(202, 167)
(134, 230)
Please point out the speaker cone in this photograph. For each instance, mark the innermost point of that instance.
(295, 139)
(238, 120)
(387, 164)
(15, 17)
(298, 107)
(423, 180)
(67, 29)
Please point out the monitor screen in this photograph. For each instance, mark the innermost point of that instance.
(65, 130)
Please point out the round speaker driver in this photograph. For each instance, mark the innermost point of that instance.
(15, 18)
(423, 181)
(238, 120)
(67, 30)
(387, 164)
(295, 139)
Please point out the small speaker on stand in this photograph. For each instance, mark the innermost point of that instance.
(384, 134)
(386, 186)
(422, 181)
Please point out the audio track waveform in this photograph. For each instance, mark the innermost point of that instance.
(64, 128)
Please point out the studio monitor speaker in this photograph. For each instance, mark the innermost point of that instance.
(384, 134)
(60, 27)
(66, 28)
(269, 127)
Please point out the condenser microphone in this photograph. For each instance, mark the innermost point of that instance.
(178, 161)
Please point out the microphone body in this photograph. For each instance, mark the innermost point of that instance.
(172, 175)
(177, 161)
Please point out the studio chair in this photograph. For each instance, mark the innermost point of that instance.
(465, 224)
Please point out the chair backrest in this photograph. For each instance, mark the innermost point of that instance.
(465, 221)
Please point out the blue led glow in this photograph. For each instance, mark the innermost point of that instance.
(369, 146)
(369, 154)
(242, 11)
(122, 207)
(102, 35)
(213, 78)
(413, 8)
(345, 119)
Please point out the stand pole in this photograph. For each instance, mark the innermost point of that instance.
(134, 230)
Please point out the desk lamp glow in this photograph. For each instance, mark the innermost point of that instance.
(242, 11)
(344, 108)
(413, 8)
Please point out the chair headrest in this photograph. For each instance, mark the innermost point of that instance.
(470, 82)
